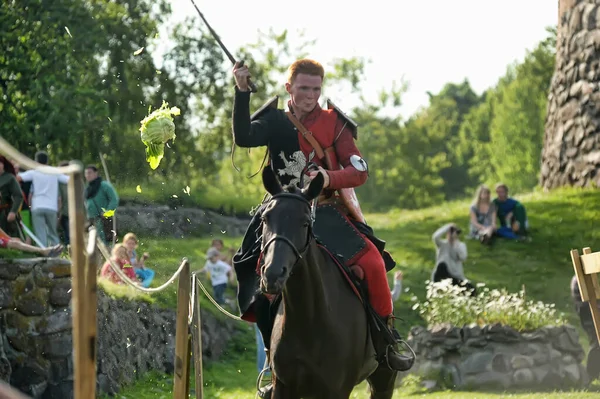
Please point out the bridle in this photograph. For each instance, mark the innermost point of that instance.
(310, 237)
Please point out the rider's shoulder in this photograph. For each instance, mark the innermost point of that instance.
(341, 115)
(267, 109)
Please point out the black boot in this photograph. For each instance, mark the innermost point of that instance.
(385, 343)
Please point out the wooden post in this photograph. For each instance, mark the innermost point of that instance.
(84, 362)
(591, 284)
(91, 292)
(197, 344)
(181, 378)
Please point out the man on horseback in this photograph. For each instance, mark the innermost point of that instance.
(303, 142)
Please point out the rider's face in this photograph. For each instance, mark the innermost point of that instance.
(305, 91)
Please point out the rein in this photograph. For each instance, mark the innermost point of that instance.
(310, 237)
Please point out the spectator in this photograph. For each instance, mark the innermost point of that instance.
(11, 197)
(511, 214)
(25, 212)
(144, 274)
(120, 257)
(219, 245)
(44, 201)
(483, 216)
(219, 273)
(397, 290)
(100, 197)
(450, 255)
(63, 209)
(585, 317)
(14, 243)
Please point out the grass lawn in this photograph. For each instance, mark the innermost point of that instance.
(560, 221)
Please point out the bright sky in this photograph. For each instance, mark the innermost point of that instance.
(429, 42)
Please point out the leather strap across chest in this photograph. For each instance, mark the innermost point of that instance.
(308, 136)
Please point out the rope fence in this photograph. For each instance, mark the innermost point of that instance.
(84, 274)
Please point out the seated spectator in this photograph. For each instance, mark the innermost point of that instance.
(511, 214)
(144, 274)
(120, 257)
(219, 273)
(585, 317)
(483, 216)
(450, 255)
(14, 243)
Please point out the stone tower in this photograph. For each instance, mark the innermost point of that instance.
(571, 153)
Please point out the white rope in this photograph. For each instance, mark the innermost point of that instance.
(11, 152)
(219, 307)
(106, 254)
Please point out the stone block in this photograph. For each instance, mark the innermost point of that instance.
(59, 321)
(9, 271)
(32, 303)
(59, 391)
(60, 293)
(6, 294)
(57, 345)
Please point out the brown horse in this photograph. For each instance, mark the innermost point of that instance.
(321, 342)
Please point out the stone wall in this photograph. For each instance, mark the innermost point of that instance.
(178, 222)
(498, 357)
(571, 154)
(36, 340)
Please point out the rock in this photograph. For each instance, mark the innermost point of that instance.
(524, 377)
(36, 344)
(497, 356)
(521, 362)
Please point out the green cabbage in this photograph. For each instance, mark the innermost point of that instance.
(158, 128)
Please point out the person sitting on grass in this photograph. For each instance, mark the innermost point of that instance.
(144, 274)
(120, 257)
(511, 215)
(219, 273)
(14, 243)
(482, 216)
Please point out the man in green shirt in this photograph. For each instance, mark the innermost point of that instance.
(101, 201)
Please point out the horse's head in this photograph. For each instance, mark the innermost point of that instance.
(286, 233)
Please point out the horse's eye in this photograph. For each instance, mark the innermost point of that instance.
(306, 224)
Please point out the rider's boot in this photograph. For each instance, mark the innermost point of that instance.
(387, 351)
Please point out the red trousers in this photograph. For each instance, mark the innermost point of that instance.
(373, 265)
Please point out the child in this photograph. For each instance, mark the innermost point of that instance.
(120, 257)
(219, 271)
(14, 243)
(141, 271)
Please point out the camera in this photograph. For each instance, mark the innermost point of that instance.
(455, 229)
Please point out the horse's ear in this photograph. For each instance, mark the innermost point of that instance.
(314, 188)
(270, 181)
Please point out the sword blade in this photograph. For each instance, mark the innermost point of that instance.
(218, 39)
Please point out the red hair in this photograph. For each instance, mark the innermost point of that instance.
(305, 66)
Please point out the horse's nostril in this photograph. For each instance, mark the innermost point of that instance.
(283, 271)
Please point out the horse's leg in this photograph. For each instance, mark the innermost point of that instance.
(281, 391)
(382, 382)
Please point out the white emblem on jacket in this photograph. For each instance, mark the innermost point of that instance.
(295, 165)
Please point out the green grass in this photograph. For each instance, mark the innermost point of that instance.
(560, 221)
(205, 197)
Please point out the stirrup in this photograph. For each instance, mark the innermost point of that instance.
(391, 348)
(264, 392)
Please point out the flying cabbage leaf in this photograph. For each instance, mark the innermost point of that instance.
(158, 128)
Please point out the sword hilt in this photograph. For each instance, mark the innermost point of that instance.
(251, 84)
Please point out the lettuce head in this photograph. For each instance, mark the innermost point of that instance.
(158, 128)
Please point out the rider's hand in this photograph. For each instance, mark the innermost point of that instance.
(313, 173)
(11, 217)
(241, 75)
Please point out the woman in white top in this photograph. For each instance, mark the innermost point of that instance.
(483, 216)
